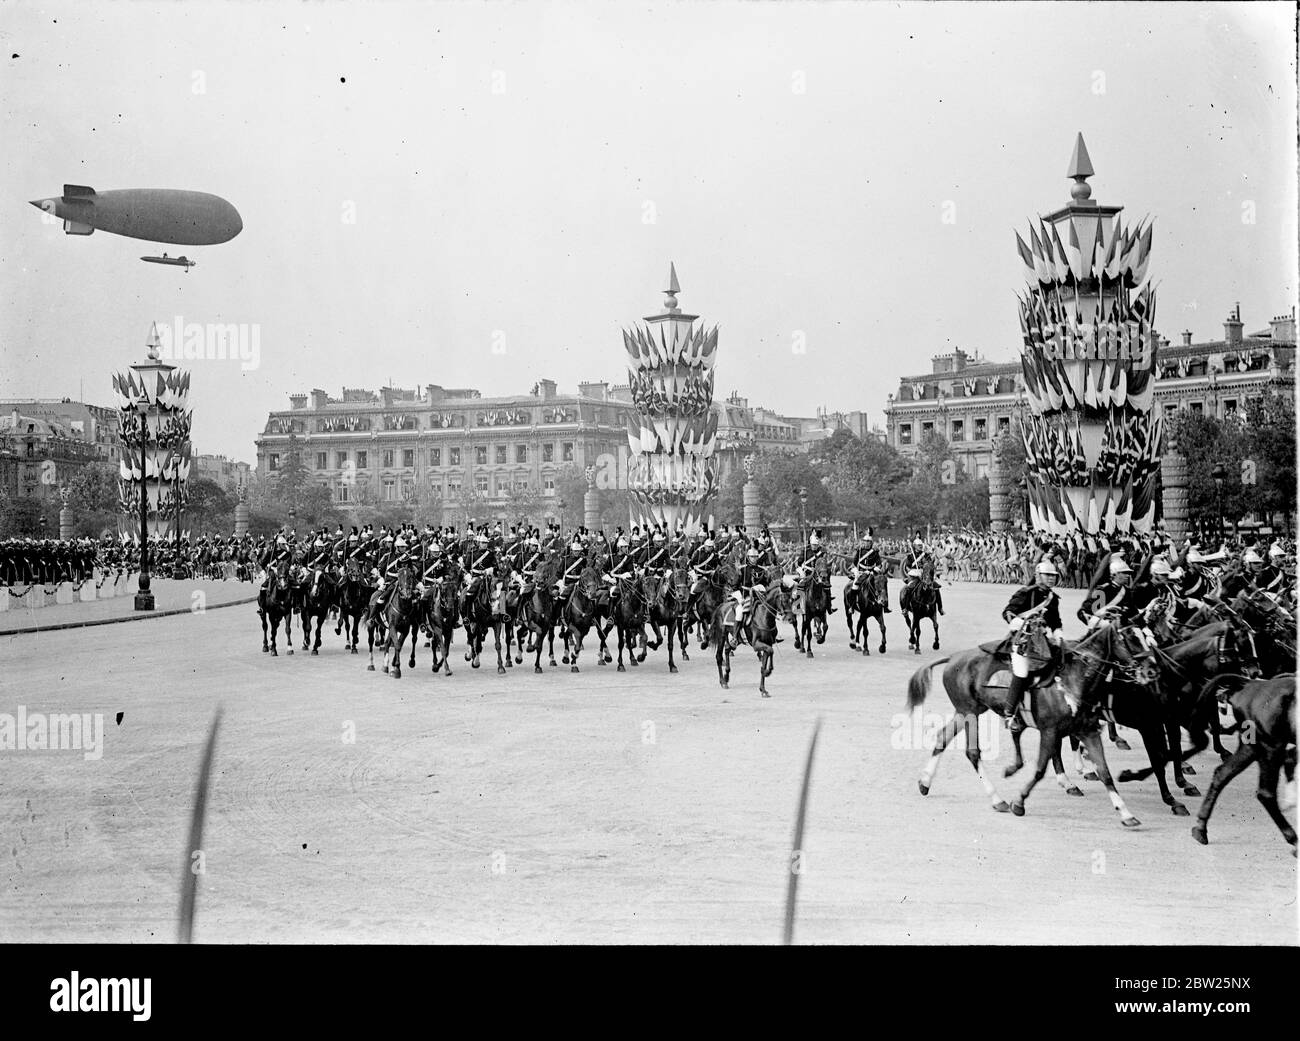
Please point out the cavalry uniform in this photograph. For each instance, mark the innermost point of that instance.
(871, 568)
(1029, 645)
(914, 564)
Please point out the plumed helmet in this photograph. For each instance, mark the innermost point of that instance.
(813, 540)
(1276, 550)
(435, 548)
(1251, 557)
(1195, 556)
(622, 542)
(1118, 566)
(400, 543)
(1160, 568)
(1046, 567)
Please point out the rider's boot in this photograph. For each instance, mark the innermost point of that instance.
(884, 598)
(1019, 684)
(938, 601)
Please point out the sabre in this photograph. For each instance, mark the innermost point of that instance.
(792, 892)
(189, 878)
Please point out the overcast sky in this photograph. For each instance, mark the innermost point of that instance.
(522, 174)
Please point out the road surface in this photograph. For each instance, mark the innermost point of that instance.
(598, 808)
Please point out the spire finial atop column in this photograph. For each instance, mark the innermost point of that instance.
(670, 300)
(1080, 170)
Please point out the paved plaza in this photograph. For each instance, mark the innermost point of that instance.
(603, 807)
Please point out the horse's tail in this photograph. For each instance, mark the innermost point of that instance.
(918, 687)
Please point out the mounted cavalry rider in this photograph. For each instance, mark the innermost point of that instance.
(574, 561)
(914, 565)
(318, 561)
(750, 582)
(1034, 614)
(625, 565)
(871, 568)
(1112, 601)
(1271, 578)
(811, 555)
(1198, 584)
(704, 561)
(1244, 580)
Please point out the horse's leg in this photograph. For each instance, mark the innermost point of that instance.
(265, 646)
(1153, 737)
(1270, 765)
(881, 619)
(724, 673)
(621, 633)
(1115, 739)
(972, 730)
(640, 634)
(1049, 742)
(1097, 752)
(370, 641)
(684, 636)
(288, 631)
(550, 644)
(444, 636)
(764, 652)
(1017, 728)
(275, 629)
(934, 621)
(1223, 775)
(669, 626)
(497, 626)
(941, 741)
(807, 635)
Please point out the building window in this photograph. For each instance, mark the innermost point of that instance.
(548, 453)
(322, 461)
(390, 491)
(408, 489)
(981, 471)
(1004, 425)
(435, 490)
(566, 452)
(501, 453)
(1229, 406)
(503, 485)
(1196, 407)
(481, 484)
(480, 454)
(927, 428)
(273, 461)
(362, 460)
(453, 456)
(388, 458)
(342, 495)
(521, 453)
(408, 457)
(521, 484)
(981, 430)
(435, 456)
(453, 489)
(548, 485)
(958, 430)
(342, 458)
(904, 433)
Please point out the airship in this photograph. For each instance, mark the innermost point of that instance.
(154, 214)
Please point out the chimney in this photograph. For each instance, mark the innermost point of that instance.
(387, 394)
(297, 400)
(1187, 337)
(599, 391)
(319, 398)
(434, 392)
(546, 389)
(1232, 326)
(1283, 328)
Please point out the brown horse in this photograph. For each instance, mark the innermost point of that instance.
(862, 598)
(758, 630)
(1265, 709)
(1069, 703)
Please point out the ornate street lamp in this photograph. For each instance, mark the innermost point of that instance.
(1220, 475)
(803, 513)
(560, 505)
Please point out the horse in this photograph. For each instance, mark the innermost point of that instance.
(704, 604)
(1067, 703)
(628, 613)
(318, 597)
(505, 608)
(354, 592)
(862, 598)
(1147, 698)
(439, 616)
(667, 595)
(1265, 710)
(275, 599)
(812, 606)
(399, 619)
(918, 601)
(476, 614)
(539, 612)
(758, 630)
(578, 614)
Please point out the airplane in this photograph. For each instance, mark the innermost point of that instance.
(184, 262)
(154, 214)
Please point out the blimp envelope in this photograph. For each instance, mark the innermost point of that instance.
(153, 214)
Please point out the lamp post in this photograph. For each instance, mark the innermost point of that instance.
(143, 597)
(1220, 475)
(803, 513)
(559, 505)
(178, 572)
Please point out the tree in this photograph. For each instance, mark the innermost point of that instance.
(779, 479)
(1009, 451)
(1206, 442)
(728, 504)
(1271, 449)
(570, 488)
(864, 476)
(209, 507)
(94, 499)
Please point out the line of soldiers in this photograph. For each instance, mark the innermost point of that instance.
(1164, 588)
(28, 561)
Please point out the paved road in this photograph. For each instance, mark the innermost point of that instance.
(601, 807)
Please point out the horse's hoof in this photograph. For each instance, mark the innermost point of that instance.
(1198, 833)
(501, 670)
(1074, 789)
(1091, 775)
(275, 653)
(288, 650)
(1130, 822)
(385, 670)
(621, 668)
(538, 668)
(564, 659)
(685, 656)
(1018, 808)
(1191, 790)
(866, 651)
(672, 668)
(519, 661)
(723, 684)
(925, 788)
(467, 657)
(1124, 775)
(353, 650)
(1189, 770)
(882, 648)
(396, 674)
(573, 668)
(474, 665)
(315, 651)
(1001, 807)
(916, 650)
(370, 668)
(266, 650)
(1010, 770)
(1179, 810)
(1122, 745)
(765, 694)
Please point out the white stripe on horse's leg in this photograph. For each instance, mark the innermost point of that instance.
(985, 780)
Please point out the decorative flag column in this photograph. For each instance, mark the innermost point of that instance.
(673, 432)
(1089, 364)
(154, 414)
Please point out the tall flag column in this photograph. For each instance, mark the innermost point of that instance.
(673, 431)
(1089, 362)
(157, 395)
